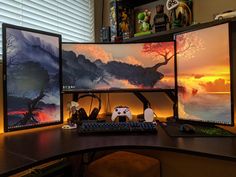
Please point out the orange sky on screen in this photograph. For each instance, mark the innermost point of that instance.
(206, 70)
(128, 53)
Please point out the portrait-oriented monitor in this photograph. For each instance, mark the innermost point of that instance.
(31, 61)
(118, 67)
(203, 75)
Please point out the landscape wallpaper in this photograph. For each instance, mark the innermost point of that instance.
(203, 75)
(32, 70)
(143, 66)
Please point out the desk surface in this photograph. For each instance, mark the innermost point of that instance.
(10, 161)
(24, 149)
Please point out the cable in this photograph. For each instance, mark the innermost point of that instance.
(91, 103)
(157, 118)
(100, 97)
(155, 114)
(108, 106)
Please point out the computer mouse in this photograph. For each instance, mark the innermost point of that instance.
(187, 128)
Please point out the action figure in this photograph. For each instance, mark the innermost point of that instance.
(160, 20)
(144, 19)
(124, 25)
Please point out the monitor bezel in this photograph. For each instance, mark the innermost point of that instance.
(121, 90)
(209, 123)
(6, 26)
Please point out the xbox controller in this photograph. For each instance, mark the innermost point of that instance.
(121, 111)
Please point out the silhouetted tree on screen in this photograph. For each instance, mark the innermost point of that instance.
(35, 78)
(187, 45)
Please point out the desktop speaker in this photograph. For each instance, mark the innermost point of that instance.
(148, 115)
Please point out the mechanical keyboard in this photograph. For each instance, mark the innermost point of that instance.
(116, 127)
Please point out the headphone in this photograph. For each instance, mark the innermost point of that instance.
(82, 115)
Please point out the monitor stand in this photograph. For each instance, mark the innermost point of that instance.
(143, 99)
(172, 95)
(146, 104)
(75, 97)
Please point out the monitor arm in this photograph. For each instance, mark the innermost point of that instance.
(143, 99)
(75, 97)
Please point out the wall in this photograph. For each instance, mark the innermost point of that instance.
(1, 99)
(98, 10)
(204, 10)
(106, 13)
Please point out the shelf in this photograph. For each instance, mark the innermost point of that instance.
(169, 35)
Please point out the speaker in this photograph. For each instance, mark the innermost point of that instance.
(148, 115)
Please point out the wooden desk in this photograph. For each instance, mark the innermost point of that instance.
(23, 149)
(11, 161)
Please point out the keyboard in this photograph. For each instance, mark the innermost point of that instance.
(117, 128)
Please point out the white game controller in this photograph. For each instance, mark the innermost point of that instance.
(120, 111)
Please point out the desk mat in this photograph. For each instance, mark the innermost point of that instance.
(172, 129)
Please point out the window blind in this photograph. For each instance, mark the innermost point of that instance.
(73, 19)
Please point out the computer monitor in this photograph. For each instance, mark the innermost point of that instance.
(118, 67)
(203, 75)
(31, 61)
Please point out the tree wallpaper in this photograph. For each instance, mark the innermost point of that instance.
(143, 66)
(32, 78)
(203, 75)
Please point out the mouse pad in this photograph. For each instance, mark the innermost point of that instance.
(172, 129)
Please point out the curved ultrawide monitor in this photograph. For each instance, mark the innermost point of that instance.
(203, 75)
(118, 67)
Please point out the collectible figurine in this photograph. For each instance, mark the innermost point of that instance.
(113, 23)
(180, 12)
(160, 20)
(144, 19)
(124, 25)
(73, 109)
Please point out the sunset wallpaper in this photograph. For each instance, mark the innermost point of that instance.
(118, 66)
(203, 75)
